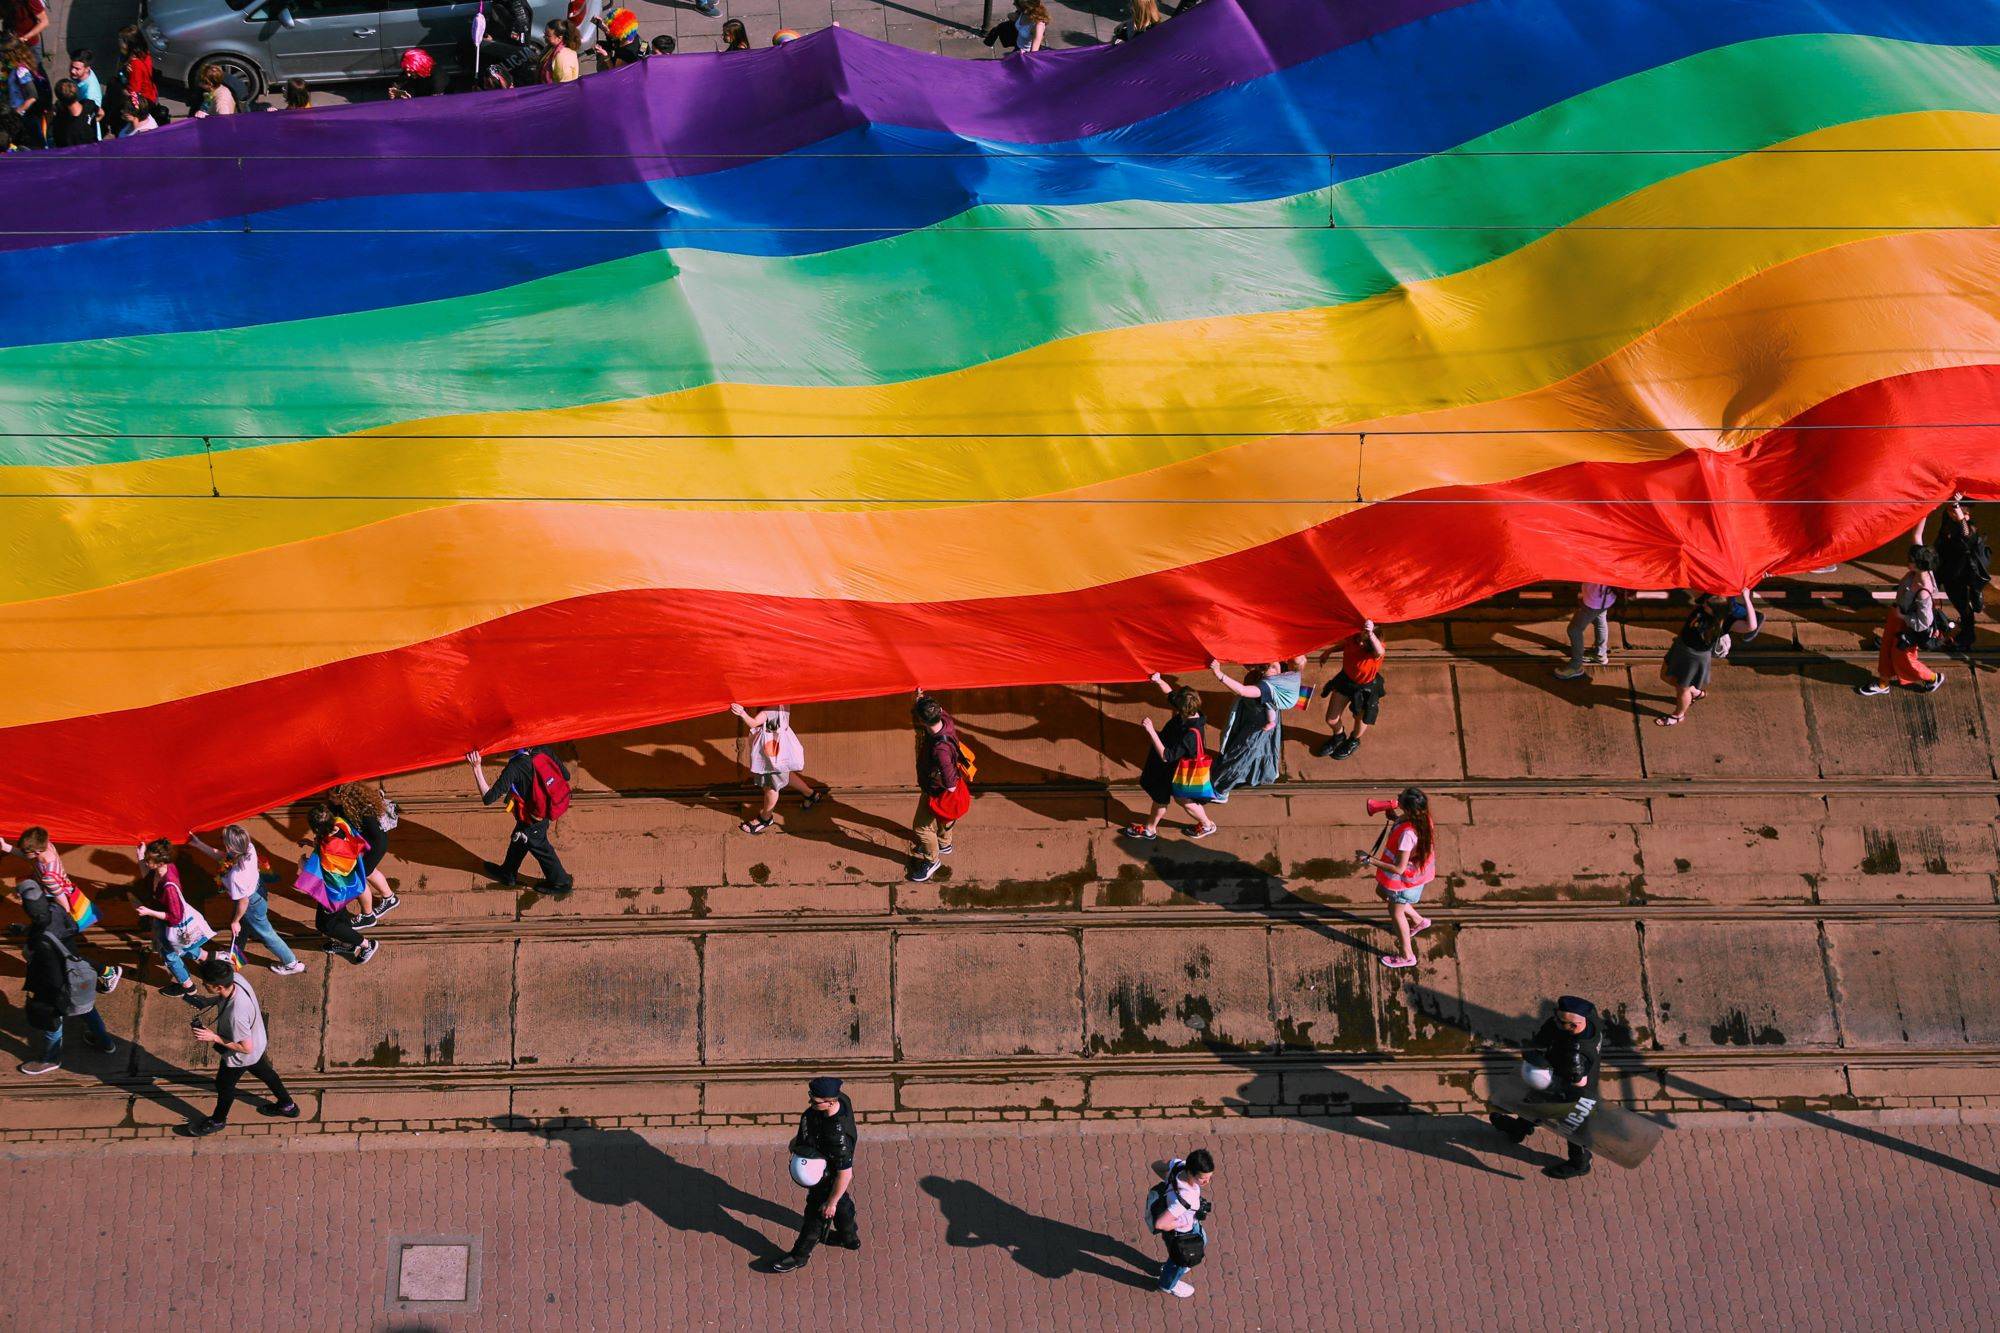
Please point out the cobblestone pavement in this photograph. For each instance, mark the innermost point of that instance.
(1782, 1224)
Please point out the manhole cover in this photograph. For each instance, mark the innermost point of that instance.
(433, 1272)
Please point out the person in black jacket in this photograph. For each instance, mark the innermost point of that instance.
(826, 1130)
(517, 785)
(57, 991)
(1964, 565)
(1569, 1041)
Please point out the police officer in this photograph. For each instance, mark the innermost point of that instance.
(826, 1130)
(1568, 1040)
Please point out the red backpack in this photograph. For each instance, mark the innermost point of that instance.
(547, 796)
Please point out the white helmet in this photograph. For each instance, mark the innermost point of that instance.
(808, 1171)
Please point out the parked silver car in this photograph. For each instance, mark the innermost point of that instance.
(261, 43)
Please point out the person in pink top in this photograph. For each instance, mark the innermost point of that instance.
(54, 879)
(1593, 610)
(1404, 861)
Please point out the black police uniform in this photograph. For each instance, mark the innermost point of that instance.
(831, 1137)
(1573, 1059)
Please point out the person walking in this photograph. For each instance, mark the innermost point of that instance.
(60, 985)
(183, 933)
(535, 786)
(944, 785)
(1910, 628)
(1965, 564)
(1178, 769)
(776, 758)
(54, 880)
(1251, 750)
(369, 811)
(1593, 614)
(1178, 1214)
(1690, 660)
(238, 1033)
(342, 863)
(826, 1132)
(1359, 687)
(1404, 861)
(1568, 1042)
(241, 875)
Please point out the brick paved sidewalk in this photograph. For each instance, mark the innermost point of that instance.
(1783, 1224)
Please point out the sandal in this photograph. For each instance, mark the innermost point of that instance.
(1201, 833)
(1139, 831)
(1407, 960)
(758, 825)
(809, 802)
(1670, 720)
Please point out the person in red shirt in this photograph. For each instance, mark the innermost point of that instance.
(27, 20)
(135, 67)
(1359, 688)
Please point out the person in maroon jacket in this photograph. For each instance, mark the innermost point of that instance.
(944, 787)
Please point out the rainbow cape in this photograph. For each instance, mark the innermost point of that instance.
(815, 371)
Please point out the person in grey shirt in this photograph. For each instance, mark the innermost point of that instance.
(239, 1037)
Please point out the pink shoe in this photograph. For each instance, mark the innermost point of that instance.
(1423, 924)
(1407, 960)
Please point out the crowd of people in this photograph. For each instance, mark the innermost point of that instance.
(88, 107)
(348, 832)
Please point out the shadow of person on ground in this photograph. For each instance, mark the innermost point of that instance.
(975, 1217)
(1380, 1115)
(619, 1167)
(1223, 879)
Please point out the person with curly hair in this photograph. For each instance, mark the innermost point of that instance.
(369, 811)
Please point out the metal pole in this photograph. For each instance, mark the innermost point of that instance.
(986, 24)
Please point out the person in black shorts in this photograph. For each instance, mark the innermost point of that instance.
(1358, 687)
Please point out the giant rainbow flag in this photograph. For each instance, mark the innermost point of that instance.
(338, 442)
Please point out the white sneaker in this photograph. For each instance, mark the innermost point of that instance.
(290, 969)
(1182, 1289)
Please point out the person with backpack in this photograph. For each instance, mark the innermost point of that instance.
(60, 985)
(1910, 628)
(1178, 769)
(776, 756)
(535, 786)
(1593, 615)
(71, 901)
(1176, 1212)
(1965, 564)
(1690, 660)
(1359, 687)
(944, 785)
(1404, 861)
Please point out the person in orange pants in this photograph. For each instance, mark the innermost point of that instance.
(1911, 626)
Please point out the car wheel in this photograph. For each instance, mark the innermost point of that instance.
(235, 70)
